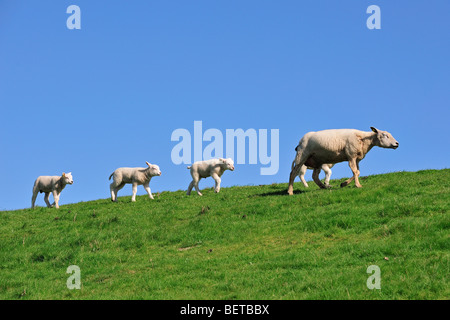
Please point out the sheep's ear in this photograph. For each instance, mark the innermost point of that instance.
(63, 175)
(374, 129)
(148, 163)
(223, 160)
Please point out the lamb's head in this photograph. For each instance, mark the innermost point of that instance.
(385, 139)
(229, 163)
(154, 169)
(67, 177)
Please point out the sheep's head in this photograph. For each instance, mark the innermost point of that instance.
(68, 179)
(385, 139)
(154, 169)
(229, 163)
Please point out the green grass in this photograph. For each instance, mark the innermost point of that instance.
(252, 242)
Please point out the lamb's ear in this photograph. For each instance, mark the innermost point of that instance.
(223, 160)
(148, 164)
(63, 175)
(374, 129)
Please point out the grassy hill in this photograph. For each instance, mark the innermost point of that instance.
(252, 242)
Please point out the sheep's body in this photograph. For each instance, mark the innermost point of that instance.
(338, 145)
(209, 168)
(51, 184)
(135, 176)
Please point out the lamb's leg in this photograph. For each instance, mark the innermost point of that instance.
(149, 191)
(47, 194)
(217, 179)
(133, 198)
(302, 175)
(56, 197)
(115, 189)
(327, 170)
(112, 189)
(191, 185)
(196, 180)
(316, 179)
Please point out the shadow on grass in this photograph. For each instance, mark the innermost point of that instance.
(278, 193)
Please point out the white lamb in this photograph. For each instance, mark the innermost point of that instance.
(53, 184)
(326, 167)
(135, 176)
(209, 168)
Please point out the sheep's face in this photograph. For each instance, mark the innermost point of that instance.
(68, 179)
(385, 139)
(229, 163)
(154, 169)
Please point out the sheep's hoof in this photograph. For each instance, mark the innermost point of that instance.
(343, 184)
(200, 194)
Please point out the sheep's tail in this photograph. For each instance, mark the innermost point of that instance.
(111, 176)
(189, 167)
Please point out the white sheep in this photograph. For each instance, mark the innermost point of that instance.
(209, 168)
(53, 184)
(135, 176)
(338, 145)
(326, 167)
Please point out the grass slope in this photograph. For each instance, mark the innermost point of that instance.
(251, 242)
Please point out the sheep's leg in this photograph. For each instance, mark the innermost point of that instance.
(302, 175)
(47, 194)
(191, 185)
(353, 166)
(316, 179)
(133, 198)
(56, 198)
(358, 185)
(33, 199)
(217, 179)
(114, 190)
(328, 171)
(300, 160)
(196, 180)
(149, 191)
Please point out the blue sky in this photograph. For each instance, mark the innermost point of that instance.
(111, 94)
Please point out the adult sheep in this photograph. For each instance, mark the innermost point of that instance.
(338, 145)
